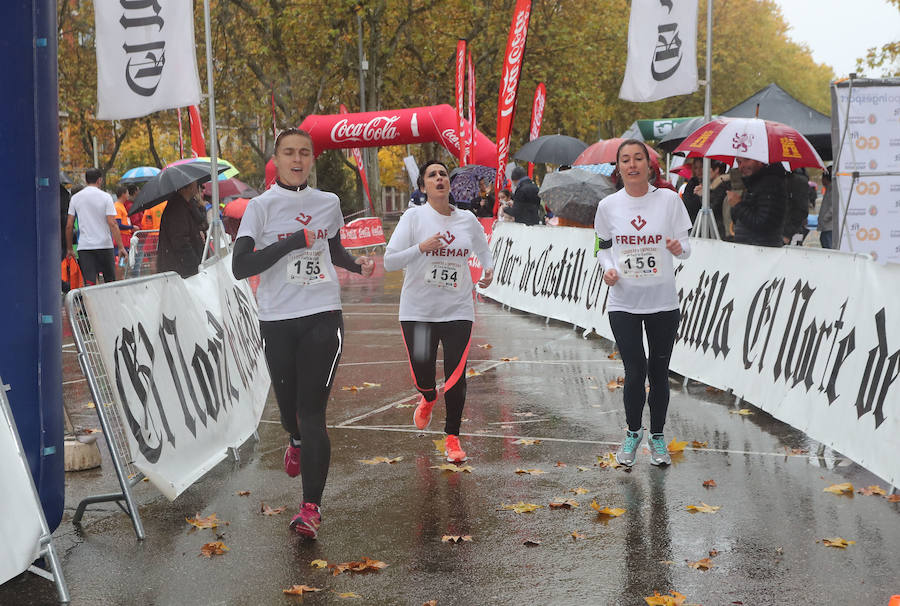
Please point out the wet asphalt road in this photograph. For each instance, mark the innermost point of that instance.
(767, 533)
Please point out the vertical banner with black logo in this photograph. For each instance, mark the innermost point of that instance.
(146, 60)
(866, 142)
(662, 50)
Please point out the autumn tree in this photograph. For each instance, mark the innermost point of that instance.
(884, 60)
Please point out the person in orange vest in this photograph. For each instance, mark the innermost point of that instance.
(125, 226)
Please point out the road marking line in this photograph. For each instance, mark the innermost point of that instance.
(512, 422)
(73, 381)
(567, 440)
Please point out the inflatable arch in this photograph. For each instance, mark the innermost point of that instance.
(392, 127)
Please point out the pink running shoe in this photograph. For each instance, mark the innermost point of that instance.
(292, 461)
(422, 415)
(306, 523)
(454, 452)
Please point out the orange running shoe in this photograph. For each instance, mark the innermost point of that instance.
(422, 415)
(455, 453)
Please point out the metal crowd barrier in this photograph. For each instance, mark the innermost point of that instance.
(111, 422)
(142, 253)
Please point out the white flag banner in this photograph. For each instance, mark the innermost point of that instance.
(662, 50)
(146, 60)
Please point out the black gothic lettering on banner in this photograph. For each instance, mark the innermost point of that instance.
(704, 319)
(138, 367)
(146, 61)
(881, 372)
(668, 48)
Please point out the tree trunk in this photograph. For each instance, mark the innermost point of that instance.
(151, 144)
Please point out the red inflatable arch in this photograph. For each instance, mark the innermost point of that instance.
(392, 127)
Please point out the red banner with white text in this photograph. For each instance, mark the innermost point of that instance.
(537, 115)
(509, 84)
(361, 233)
(460, 102)
(357, 155)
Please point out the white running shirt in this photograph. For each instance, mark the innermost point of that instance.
(638, 228)
(92, 205)
(438, 284)
(303, 282)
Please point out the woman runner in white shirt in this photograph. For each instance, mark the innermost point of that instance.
(433, 242)
(295, 231)
(640, 229)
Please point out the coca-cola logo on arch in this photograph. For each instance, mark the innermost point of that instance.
(450, 135)
(379, 128)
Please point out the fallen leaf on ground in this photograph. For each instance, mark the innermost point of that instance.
(486, 346)
(370, 385)
(512, 359)
(614, 355)
(843, 488)
(522, 507)
(430, 603)
(870, 490)
(352, 388)
(215, 548)
(363, 565)
(894, 498)
(453, 468)
(268, 511)
(243, 493)
(377, 460)
(743, 412)
(579, 490)
(472, 373)
(210, 521)
(318, 563)
(455, 538)
(608, 460)
(696, 444)
(526, 442)
(440, 445)
(576, 535)
(531, 542)
(300, 589)
(90, 405)
(703, 508)
(583, 468)
(668, 562)
(711, 389)
(713, 553)
(404, 406)
(704, 564)
(560, 464)
(676, 446)
(674, 599)
(616, 383)
(532, 472)
(837, 542)
(349, 595)
(614, 512)
(709, 484)
(563, 504)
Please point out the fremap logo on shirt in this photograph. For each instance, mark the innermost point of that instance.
(638, 222)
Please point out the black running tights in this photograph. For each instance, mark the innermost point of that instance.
(661, 328)
(303, 355)
(422, 340)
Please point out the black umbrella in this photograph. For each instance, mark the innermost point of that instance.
(161, 187)
(553, 149)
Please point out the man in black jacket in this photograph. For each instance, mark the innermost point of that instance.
(758, 214)
(526, 201)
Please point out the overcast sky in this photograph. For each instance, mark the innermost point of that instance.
(840, 31)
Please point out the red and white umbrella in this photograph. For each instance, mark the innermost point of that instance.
(763, 140)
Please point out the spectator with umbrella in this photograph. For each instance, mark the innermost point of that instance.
(526, 200)
(181, 227)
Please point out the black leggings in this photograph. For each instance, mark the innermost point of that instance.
(661, 329)
(421, 346)
(303, 355)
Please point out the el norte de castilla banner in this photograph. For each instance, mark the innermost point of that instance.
(187, 368)
(810, 336)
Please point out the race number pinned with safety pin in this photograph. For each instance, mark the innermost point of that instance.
(307, 266)
(443, 274)
(640, 262)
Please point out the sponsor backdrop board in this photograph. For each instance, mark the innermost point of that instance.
(774, 325)
(866, 139)
(187, 367)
